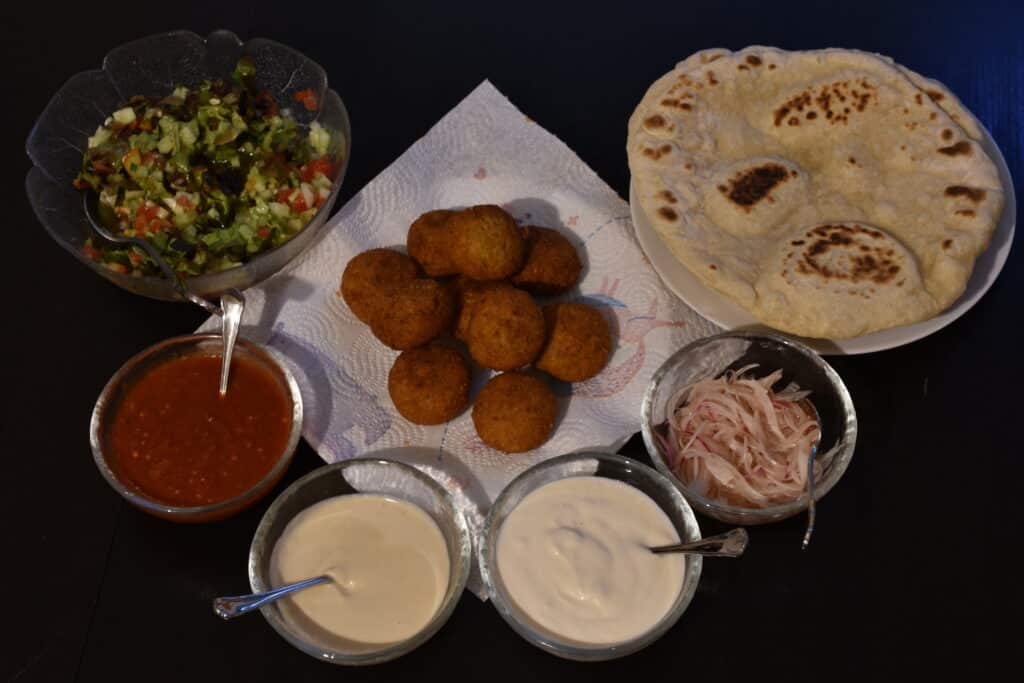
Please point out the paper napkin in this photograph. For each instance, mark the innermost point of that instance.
(485, 151)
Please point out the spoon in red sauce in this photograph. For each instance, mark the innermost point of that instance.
(232, 303)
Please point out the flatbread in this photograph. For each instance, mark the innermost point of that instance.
(831, 193)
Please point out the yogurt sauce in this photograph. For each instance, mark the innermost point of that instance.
(389, 565)
(573, 556)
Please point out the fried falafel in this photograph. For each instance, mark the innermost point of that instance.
(578, 342)
(506, 329)
(429, 385)
(431, 243)
(488, 245)
(413, 314)
(515, 412)
(552, 263)
(370, 277)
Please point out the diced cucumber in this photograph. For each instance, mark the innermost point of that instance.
(319, 138)
(124, 116)
(166, 145)
(101, 136)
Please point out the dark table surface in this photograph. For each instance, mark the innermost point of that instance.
(909, 570)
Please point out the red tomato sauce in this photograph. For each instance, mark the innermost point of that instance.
(181, 443)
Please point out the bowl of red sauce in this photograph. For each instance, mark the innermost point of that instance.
(166, 440)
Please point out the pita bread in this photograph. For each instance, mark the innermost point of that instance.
(831, 193)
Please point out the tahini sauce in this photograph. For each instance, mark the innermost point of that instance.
(389, 565)
(574, 557)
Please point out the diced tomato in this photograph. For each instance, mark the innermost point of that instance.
(263, 231)
(298, 205)
(307, 98)
(321, 165)
(136, 259)
(79, 184)
(146, 212)
(184, 202)
(120, 267)
(159, 225)
(91, 252)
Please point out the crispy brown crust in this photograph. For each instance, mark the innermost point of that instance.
(506, 330)
(578, 344)
(874, 263)
(414, 314)
(371, 276)
(430, 385)
(552, 263)
(469, 292)
(515, 412)
(431, 243)
(488, 243)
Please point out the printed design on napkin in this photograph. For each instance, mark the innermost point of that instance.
(632, 328)
(350, 407)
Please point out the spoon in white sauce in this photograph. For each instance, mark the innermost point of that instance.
(730, 544)
(237, 605)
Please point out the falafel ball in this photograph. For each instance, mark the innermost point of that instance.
(506, 330)
(552, 263)
(468, 293)
(578, 343)
(431, 243)
(370, 276)
(413, 314)
(515, 412)
(488, 244)
(429, 385)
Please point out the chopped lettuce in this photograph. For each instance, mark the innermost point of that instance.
(212, 176)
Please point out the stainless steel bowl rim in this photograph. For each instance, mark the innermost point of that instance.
(102, 403)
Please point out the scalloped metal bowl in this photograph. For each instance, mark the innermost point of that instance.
(154, 66)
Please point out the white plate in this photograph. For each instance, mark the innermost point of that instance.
(724, 313)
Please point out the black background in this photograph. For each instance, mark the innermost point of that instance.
(910, 571)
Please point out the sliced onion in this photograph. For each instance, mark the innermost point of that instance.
(738, 441)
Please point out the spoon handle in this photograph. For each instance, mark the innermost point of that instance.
(730, 544)
(237, 605)
(233, 304)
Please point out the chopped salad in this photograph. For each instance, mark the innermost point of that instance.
(212, 176)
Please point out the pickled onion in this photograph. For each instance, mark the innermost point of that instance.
(740, 442)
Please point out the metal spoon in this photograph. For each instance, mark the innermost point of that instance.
(232, 303)
(91, 203)
(237, 605)
(730, 544)
(811, 511)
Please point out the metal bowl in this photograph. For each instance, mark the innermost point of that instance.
(360, 475)
(176, 347)
(154, 66)
(656, 486)
(710, 357)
